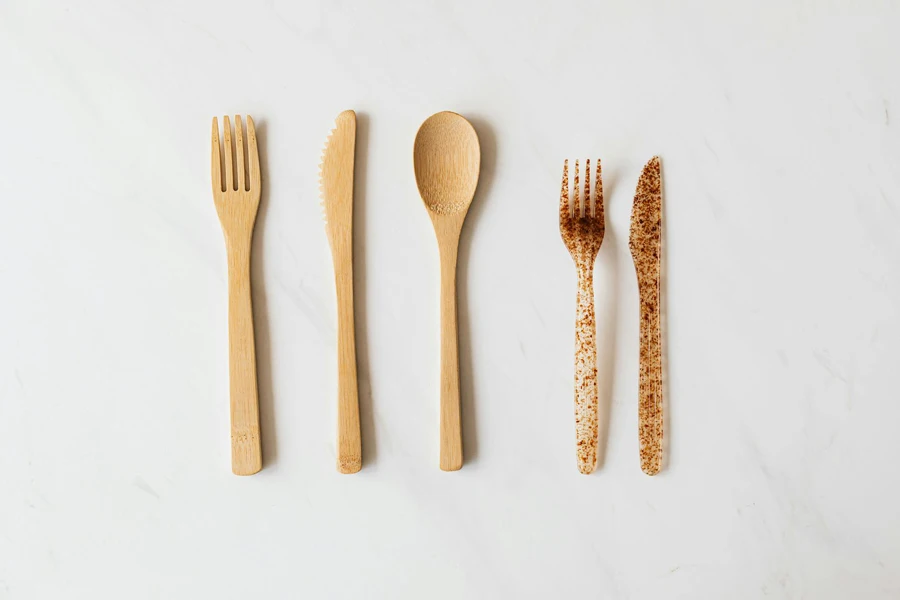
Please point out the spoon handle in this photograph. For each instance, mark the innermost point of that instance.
(451, 430)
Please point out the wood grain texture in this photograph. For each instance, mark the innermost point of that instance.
(582, 228)
(645, 244)
(336, 186)
(447, 159)
(236, 195)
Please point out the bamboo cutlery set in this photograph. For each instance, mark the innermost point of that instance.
(446, 157)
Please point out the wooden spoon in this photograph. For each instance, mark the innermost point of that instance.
(447, 158)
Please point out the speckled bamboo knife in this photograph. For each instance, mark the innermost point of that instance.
(645, 243)
(336, 187)
(582, 231)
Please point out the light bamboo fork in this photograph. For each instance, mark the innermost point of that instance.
(582, 228)
(236, 197)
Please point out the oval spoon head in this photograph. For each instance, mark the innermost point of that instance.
(447, 159)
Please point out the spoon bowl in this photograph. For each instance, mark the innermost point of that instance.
(447, 160)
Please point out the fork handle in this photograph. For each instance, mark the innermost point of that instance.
(451, 428)
(586, 403)
(650, 398)
(246, 451)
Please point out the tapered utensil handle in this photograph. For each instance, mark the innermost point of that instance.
(349, 442)
(650, 397)
(586, 403)
(451, 428)
(246, 450)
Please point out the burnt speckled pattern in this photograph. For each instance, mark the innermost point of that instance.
(645, 244)
(582, 231)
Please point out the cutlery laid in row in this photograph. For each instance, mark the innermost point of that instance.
(582, 227)
(446, 157)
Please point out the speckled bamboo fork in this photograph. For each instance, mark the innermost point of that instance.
(582, 228)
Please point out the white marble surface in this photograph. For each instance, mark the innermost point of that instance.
(777, 124)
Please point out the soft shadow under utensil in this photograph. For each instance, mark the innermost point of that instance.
(360, 303)
(664, 328)
(606, 283)
(261, 315)
(488, 144)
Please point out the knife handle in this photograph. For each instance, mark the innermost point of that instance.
(349, 442)
(650, 391)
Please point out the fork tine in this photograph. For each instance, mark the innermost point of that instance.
(229, 163)
(579, 207)
(216, 157)
(588, 206)
(239, 146)
(253, 155)
(565, 211)
(598, 194)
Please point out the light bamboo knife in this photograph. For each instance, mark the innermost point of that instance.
(645, 243)
(336, 187)
(447, 159)
(236, 195)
